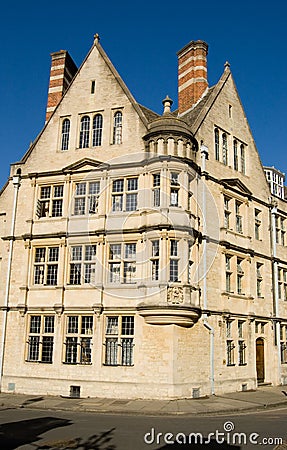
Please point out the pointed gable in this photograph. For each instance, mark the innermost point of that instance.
(83, 165)
(96, 89)
(236, 185)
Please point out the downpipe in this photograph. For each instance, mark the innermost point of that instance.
(204, 157)
(16, 185)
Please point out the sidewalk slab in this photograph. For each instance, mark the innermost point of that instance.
(265, 397)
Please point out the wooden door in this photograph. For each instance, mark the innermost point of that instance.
(260, 360)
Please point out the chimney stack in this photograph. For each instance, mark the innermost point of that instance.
(62, 72)
(192, 74)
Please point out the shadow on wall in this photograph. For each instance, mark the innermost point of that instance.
(15, 434)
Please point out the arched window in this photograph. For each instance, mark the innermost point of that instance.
(97, 130)
(235, 155)
(224, 149)
(65, 134)
(85, 132)
(242, 157)
(216, 143)
(117, 132)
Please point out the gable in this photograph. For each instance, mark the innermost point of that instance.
(237, 185)
(85, 164)
(108, 96)
(222, 110)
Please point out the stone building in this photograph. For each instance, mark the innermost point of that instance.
(142, 255)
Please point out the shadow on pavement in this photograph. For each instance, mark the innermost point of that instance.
(15, 434)
(99, 441)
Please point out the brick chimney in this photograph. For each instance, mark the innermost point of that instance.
(192, 74)
(62, 72)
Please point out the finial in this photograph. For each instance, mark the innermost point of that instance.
(96, 38)
(167, 102)
(226, 65)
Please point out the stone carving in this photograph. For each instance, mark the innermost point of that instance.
(175, 295)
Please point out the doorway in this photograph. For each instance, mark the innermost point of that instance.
(260, 369)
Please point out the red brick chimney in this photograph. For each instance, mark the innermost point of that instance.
(192, 74)
(62, 72)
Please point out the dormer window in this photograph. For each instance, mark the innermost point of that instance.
(117, 130)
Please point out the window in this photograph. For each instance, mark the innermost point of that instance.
(227, 212)
(86, 198)
(46, 266)
(235, 155)
(283, 343)
(155, 260)
(259, 327)
(240, 275)
(173, 261)
(125, 194)
(259, 279)
(122, 263)
(41, 339)
(50, 203)
(82, 264)
(280, 230)
(65, 134)
(241, 343)
(241, 353)
(282, 284)
(238, 217)
(229, 344)
(156, 190)
(119, 341)
(216, 144)
(242, 157)
(174, 189)
(97, 130)
(257, 223)
(93, 86)
(224, 149)
(117, 129)
(78, 341)
(228, 273)
(85, 132)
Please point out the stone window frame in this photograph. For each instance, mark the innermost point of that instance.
(82, 264)
(119, 340)
(78, 339)
(122, 268)
(40, 338)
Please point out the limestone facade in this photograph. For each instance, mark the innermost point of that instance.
(142, 255)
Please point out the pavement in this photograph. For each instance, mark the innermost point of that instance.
(262, 398)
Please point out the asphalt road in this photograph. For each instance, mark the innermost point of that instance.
(28, 429)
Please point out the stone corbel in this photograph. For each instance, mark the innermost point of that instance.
(97, 310)
(58, 308)
(22, 309)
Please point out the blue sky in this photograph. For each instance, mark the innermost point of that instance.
(141, 39)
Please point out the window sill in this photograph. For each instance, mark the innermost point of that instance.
(230, 365)
(35, 287)
(76, 364)
(38, 362)
(243, 364)
(118, 365)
